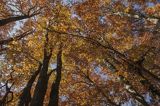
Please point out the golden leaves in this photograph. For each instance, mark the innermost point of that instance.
(80, 55)
(154, 10)
(127, 10)
(150, 10)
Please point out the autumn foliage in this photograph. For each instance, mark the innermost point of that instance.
(79, 52)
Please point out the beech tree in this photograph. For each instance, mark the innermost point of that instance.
(82, 53)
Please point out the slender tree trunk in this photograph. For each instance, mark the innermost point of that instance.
(54, 95)
(41, 87)
(25, 97)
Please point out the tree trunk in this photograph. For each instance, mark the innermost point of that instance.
(25, 97)
(55, 85)
(41, 87)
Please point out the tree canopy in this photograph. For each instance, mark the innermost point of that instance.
(79, 52)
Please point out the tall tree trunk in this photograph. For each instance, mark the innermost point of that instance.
(25, 97)
(41, 87)
(55, 85)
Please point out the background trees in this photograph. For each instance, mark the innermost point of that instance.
(79, 52)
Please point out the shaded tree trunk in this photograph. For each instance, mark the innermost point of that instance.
(25, 97)
(55, 85)
(41, 87)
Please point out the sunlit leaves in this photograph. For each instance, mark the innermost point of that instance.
(102, 40)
